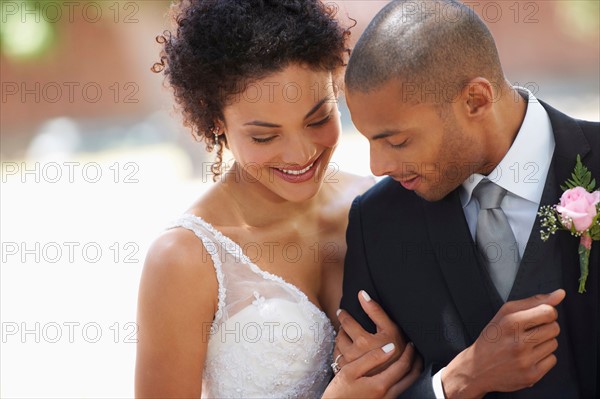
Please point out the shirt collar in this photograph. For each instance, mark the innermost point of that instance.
(523, 170)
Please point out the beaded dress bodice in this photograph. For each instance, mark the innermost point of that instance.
(267, 339)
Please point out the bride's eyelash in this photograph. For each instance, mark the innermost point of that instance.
(262, 141)
(268, 139)
(322, 121)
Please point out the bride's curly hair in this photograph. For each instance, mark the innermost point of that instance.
(220, 46)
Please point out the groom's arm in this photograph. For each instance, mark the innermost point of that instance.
(356, 270)
(357, 276)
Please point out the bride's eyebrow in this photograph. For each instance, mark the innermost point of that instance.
(261, 124)
(314, 109)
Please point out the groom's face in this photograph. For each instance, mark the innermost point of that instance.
(421, 145)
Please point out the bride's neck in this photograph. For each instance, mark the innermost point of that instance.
(255, 205)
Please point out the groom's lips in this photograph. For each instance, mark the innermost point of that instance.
(410, 184)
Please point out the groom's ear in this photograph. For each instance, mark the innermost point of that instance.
(478, 97)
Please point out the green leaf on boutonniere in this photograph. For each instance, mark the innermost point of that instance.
(581, 177)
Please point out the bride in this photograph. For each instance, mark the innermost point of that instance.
(238, 297)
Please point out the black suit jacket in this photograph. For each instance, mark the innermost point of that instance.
(418, 260)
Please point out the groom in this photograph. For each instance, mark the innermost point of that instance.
(449, 244)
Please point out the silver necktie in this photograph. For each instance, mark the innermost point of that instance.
(495, 239)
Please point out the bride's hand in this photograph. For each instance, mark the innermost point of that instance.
(352, 341)
(353, 381)
(381, 375)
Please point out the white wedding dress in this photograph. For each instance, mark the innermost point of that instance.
(267, 340)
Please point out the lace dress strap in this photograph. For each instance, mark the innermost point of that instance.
(211, 244)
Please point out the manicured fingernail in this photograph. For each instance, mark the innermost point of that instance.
(337, 312)
(365, 295)
(387, 348)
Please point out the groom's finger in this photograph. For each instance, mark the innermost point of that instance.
(375, 312)
(552, 299)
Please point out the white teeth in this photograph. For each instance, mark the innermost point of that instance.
(297, 172)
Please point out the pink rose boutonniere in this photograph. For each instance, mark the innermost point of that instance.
(578, 212)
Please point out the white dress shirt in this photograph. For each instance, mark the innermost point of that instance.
(522, 173)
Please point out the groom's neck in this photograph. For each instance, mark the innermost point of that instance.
(506, 121)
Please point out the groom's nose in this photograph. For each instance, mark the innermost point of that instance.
(382, 164)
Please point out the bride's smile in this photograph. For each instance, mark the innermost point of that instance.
(295, 174)
(283, 143)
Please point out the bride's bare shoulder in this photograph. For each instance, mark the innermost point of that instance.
(178, 259)
(179, 255)
(177, 299)
(177, 246)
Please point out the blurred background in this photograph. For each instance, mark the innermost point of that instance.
(95, 162)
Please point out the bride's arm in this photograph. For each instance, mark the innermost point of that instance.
(176, 304)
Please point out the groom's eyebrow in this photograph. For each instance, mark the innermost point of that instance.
(386, 133)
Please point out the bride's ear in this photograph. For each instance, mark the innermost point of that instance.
(220, 126)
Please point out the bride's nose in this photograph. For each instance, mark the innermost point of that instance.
(299, 150)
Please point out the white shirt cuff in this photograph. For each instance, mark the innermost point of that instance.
(436, 381)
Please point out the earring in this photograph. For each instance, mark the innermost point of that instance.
(216, 133)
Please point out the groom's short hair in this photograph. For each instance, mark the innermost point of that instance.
(434, 47)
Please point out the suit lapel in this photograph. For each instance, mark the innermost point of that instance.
(540, 268)
(570, 142)
(581, 309)
(448, 230)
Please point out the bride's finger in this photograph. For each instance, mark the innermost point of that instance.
(406, 381)
(370, 360)
(343, 345)
(375, 312)
(351, 326)
(399, 370)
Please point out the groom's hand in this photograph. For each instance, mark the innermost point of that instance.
(353, 341)
(514, 351)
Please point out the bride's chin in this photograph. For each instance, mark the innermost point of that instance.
(302, 192)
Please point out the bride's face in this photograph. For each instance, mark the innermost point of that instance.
(283, 129)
